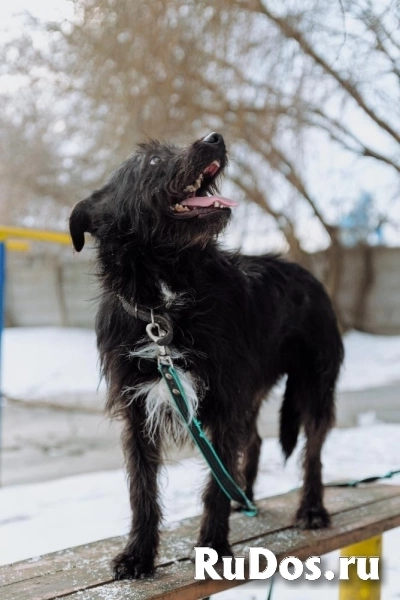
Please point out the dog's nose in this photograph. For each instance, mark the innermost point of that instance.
(214, 138)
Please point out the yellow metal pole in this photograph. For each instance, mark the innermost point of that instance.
(17, 245)
(355, 588)
(39, 235)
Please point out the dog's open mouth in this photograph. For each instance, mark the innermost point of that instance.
(199, 203)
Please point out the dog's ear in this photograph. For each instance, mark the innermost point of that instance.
(79, 222)
(82, 218)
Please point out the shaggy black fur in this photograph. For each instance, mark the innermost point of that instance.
(241, 322)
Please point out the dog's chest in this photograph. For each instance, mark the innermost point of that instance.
(201, 325)
(162, 417)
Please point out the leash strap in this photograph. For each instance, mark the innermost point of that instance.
(160, 331)
(221, 475)
(271, 587)
(357, 482)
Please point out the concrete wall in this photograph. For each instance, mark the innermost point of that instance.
(369, 293)
(49, 290)
(382, 314)
(61, 290)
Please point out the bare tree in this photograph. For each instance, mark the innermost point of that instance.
(272, 77)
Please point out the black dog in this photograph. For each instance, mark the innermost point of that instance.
(239, 324)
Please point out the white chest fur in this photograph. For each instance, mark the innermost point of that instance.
(162, 417)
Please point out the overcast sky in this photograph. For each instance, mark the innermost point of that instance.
(43, 9)
(347, 177)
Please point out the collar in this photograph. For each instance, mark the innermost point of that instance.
(151, 315)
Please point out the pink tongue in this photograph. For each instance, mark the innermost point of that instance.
(206, 201)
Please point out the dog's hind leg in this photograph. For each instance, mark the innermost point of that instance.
(317, 417)
(142, 459)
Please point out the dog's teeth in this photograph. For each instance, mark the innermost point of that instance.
(195, 186)
(180, 208)
(216, 163)
(216, 204)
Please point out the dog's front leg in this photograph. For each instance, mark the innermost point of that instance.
(214, 528)
(142, 457)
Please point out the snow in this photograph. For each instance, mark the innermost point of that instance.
(50, 516)
(52, 365)
(56, 361)
(371, 361)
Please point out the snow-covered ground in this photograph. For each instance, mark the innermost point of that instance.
(370, 361)
(49, 516)
(43, 517)
(59, 361)
(55, 360)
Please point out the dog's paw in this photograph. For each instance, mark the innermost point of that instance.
(312, 518)
(223, 549)
(132, 566)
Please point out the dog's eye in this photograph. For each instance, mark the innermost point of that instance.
(155, 160)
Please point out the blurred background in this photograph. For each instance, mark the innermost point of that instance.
(306, 95)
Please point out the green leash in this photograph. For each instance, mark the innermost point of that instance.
(160, 331)
(357, 482)
(221, 475)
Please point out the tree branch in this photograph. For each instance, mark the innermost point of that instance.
(290, 32)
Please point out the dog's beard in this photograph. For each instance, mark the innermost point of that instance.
(200, 233)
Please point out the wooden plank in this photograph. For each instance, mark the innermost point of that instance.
(66, 574)
(176, 582)
(80, 568)
(177, 541)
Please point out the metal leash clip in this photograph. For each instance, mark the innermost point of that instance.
(159, 330)
(161, 337)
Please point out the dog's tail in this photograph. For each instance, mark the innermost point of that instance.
(290, 419)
